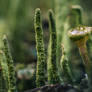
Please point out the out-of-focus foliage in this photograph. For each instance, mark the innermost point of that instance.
(18, 17)
(87, 8)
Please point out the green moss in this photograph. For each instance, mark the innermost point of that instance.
(11, 70)
(40, 73)
(53, 77)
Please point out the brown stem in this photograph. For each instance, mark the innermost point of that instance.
(86, 61)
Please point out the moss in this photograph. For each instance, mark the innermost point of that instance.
(40, 73)
(53, 77)
(11, 70)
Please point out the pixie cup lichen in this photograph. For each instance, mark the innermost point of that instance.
(80, 36)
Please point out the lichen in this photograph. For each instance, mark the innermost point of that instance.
(10, 64)
(65, 69)
(40, 72)
(80, 39)
(4, 70)
(53, 77)
(79, 33)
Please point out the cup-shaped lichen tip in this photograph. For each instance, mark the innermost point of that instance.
(79, 33)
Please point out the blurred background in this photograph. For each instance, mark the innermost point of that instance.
(17, 21)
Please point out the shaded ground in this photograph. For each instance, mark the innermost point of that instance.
(54, 88)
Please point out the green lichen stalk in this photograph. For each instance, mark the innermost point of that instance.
(65, 69)
(52, 67)
(87, 63)
(4, 71)
(0, 80)
(2, 83)
(40, 74)
(75, 16)
(11, 70)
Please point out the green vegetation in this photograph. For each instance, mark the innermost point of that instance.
(65, 68)
(8, 80)
(4, 71)
(11, 70)
(53, 77)
(40, 73)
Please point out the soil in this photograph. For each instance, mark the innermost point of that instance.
(54, 88)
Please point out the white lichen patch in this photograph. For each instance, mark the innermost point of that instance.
(80, 31)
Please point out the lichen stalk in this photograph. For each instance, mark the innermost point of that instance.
(87, 63)
(0, 80)
(4, 71)
(40, 74)
(84, 55)
(11, 70)
(53, 77)
(2, 83)
(65, 69)
(75, 16)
